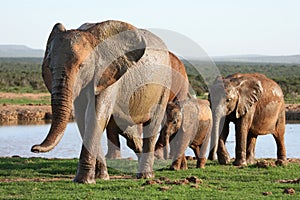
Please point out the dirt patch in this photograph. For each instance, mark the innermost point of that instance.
(270, 162)
(294, 160)
(12, 180)
(24, 95)
(15, 113)
(265, 164)
(294, 181)
(193, 181)
(289, 191)
(292, 112)
(64, 178)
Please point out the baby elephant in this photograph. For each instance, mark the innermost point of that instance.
(188, 123)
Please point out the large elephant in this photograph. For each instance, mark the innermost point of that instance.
(188, 123)
(108, 68)
(255, 104)
(179, 91)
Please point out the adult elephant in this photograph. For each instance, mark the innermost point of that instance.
(188, 123)
(108, 68)
(255, 104)
(178, 92)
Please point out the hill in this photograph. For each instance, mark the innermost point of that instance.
(19, 51)
(290, 59)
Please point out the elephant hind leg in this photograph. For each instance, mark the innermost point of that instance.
(150, 131)
(113, 140)
(279, 138)
(133, 136)
(201, 160)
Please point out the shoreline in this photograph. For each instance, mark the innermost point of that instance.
(41, 114)
(18, 114)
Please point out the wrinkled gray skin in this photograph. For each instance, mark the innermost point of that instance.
(255, 104)
(188, 123)
(105, 69)
(178, 91)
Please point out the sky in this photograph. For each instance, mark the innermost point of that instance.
(231, 27)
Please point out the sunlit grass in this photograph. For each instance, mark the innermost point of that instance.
(36, 178)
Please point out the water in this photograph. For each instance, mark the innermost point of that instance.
(17, 140)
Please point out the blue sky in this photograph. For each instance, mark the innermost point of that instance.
(228, 27)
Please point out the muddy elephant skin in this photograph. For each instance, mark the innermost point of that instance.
(255, 104)
(188, 123)
(104, 69)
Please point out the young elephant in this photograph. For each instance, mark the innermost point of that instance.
(255, 104)
(188, 124)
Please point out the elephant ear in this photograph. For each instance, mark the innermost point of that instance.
(118, 47)
(46, 73)
(250, 91)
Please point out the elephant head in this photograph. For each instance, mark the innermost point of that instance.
(75, 59)
(172, 124)
(232, 96)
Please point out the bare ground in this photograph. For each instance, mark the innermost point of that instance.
(14, 113)
(23, 95)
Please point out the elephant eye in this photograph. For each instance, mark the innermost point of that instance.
(228, 100)
(80, 66)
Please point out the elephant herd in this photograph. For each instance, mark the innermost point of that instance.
(125, 80)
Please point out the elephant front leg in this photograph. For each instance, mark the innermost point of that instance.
(201, 160)
(179, 163)
(92, 162)
(146, 160)
(251, 141)
(86, 167)
(241, 132)
(223, 155)
(279, 138)
(160, 146)
(182, 140)
(101, 170)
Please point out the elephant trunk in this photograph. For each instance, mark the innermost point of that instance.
(61, 102)
(218, 122)
(167, 146)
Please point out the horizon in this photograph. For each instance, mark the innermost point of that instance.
(228, 28)
(214, 56)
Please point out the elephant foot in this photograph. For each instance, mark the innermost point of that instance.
(178, 164)
(85, 174)
(201, 163)
(250, 161)
(183, 165)
(101, 171)
(240, 162)
(145, 175)
(224, 160)
(174, 168)
(102, 176)
(281, 162)
(85, 178)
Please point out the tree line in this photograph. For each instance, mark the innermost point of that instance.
(24, 75)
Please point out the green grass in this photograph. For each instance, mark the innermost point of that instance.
(46, 100)
(36, 178)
